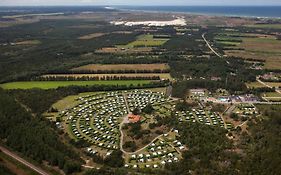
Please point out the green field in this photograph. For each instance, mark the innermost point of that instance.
(145, 41)
(265, 26)
(255, 85)
(228, 43)
(272, 94)
(56, 84)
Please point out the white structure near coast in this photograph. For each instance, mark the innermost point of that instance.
(176, 22)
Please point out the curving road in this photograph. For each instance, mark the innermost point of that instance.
(21, 160)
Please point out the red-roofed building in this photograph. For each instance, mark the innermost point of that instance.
(134, 118)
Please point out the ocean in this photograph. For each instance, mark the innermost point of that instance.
(236, 11)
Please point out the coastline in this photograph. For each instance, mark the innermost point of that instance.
(121, 8)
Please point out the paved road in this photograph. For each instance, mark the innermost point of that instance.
(229, 110)
(21, 160)
(169, 90)
(257, 102)
(208, 44)
(263, 83)
(142, 147)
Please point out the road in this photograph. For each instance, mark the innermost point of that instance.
(229, 110)
(125, 152)
(21, 160)
(257, 102)
(208, 44)
(169, 90)
(122, 134)
(263, 83)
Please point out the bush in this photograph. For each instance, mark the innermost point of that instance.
(115, 159)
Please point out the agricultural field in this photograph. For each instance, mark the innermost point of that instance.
(253, 46)
(91, 36)
(274, 84)
(56, 84)
(198, 118)
(124, 67)
(259, 85)
(28, 42)
(145, 41)
(255, 85)
(265, 26)
(118, 50)
(272, 96)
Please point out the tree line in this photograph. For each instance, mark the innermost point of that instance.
(93, 78)
(39, 100)
(124, 71)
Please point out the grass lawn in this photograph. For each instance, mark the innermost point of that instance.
(56, 84)
(70, 101)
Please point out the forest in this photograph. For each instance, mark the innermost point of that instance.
(57, 49)
(34, 137)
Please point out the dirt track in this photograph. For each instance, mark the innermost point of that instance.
(21, 160)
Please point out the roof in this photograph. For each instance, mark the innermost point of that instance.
(134, 118)
(197, 90)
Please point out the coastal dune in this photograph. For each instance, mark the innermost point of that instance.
(176, 22)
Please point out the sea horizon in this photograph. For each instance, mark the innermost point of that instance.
(255, 11)
(230, 11)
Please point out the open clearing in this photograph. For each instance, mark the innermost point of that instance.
(30, 15)
(259, 85)
(273, 84)
(117, 67)
(56, 84)
(255, 85)
(272, 94)
(145, 41)
(265, 26)
(91, 36)
(162, 76)
(28, 42)
(119, 50)
(261, 47)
